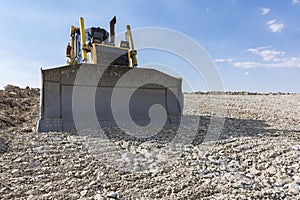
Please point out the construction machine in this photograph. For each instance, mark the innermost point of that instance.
(84, 89)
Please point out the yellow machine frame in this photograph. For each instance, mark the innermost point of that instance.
(85, 48)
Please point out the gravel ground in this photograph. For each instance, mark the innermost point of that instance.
(256, 156)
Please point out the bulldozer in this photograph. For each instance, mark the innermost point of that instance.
(83, 89)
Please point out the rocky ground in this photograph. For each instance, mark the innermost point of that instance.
(256, 155)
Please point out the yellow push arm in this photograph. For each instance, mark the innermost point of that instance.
(82, 34)
(71, 54)
(133, 52)
(72, 42)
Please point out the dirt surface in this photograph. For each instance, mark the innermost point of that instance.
(256, 155)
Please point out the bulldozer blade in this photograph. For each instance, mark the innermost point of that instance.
(84, 96)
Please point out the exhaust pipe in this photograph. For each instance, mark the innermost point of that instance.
(112, 29)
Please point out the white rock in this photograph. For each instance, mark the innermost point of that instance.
(297, 179)
(255, 172)
(84, 173)
(112, 195)
(98, 197)
(83, 193)
(271, 170)
(297, 147)
(294, 188)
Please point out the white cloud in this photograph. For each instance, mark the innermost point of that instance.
(246, 73)
(271, 57)
(267, 54)
(271, 22)
(295, 1)
(265, 11)
(291, 62)
(247, 64)
(275, 26)
(223, 60)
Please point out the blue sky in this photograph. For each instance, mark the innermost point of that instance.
(255, 44)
